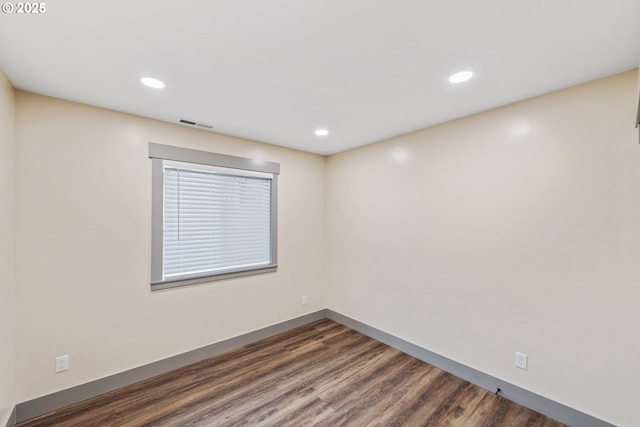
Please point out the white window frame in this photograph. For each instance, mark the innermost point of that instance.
(161, 154)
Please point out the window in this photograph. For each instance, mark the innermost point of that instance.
(214, 216)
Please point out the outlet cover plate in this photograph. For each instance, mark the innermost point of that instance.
(62, 363)
(521, 360)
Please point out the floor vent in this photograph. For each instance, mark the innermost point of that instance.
(196, 124)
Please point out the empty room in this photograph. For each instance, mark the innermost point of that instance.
(320, 213)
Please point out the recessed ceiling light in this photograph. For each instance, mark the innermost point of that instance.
(151, 82)
(322, 132)
(461, 76)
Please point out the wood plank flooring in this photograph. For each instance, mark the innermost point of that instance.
(321, 374)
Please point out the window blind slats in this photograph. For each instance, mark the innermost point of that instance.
(214, 222)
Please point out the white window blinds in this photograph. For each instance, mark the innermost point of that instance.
(214, 216)
(214, 221)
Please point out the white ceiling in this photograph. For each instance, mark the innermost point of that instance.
(275, 70)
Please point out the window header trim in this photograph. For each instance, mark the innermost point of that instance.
(168, 152)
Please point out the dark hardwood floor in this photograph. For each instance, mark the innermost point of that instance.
(321, 374)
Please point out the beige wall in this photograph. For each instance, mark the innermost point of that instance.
(83, 251)
(7, 248)
(517, 229)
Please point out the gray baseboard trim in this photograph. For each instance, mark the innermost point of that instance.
(11, 422)
(557, 411)
(548, 407)
(51, 402)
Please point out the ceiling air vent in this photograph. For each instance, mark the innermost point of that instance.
(195, 124)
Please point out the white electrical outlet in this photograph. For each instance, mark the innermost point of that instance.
(521, 360)
(304, 300)
(62, 363)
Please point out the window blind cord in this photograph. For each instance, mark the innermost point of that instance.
(178, 202)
